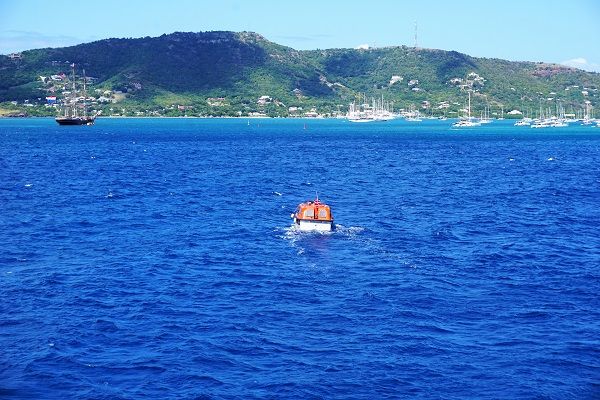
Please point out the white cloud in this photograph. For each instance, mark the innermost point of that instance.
(582, 63)
(362, 47)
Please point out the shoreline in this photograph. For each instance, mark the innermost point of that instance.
(154, 117)
(246, 118)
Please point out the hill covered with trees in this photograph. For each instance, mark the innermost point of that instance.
(228, 73)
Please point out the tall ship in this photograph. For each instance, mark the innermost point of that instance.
(73, 105)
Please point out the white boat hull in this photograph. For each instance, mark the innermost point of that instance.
(311, 226)
(467, 124)
(362, 120)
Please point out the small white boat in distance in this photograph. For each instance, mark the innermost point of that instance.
(549, 123)
(465, 123)
(468, 121)
(313, 216)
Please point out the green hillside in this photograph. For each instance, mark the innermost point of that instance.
(226, 73)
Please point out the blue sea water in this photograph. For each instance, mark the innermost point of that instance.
(155, 258)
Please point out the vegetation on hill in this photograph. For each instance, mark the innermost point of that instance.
(227, 73)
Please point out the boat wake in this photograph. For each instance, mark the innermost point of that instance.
(302, 240)
(293, 232)
(312, 243)
(348, 231)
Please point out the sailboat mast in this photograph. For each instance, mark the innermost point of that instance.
(73, 76)
(469, 108)
(73, 92)
(72, 102)
(84, 96)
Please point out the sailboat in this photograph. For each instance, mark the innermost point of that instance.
(485, 116)
(71, 104)
(468, 121)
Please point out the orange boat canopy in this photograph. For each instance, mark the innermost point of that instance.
(313, 211)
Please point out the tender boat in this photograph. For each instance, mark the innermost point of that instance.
(313, 216)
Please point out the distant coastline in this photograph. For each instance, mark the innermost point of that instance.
(256, 76)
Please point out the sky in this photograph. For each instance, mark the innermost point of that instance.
(566, 32)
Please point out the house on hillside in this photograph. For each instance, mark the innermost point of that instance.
(263, 100)
(216, 101)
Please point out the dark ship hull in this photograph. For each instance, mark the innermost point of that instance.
(75, 120)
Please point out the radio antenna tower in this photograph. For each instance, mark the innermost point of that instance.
(416, 43)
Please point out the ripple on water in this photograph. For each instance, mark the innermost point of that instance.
(157, 256)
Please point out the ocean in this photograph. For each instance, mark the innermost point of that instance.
(156, 258)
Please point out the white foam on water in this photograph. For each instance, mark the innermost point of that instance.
(355, 234)
(294, 235)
